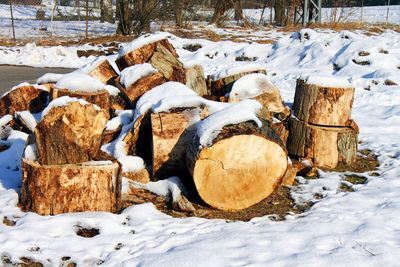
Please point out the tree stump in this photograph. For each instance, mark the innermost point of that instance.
(70, 134)
(141, 86)
(26, 97)
(243, 166)
(326, 146)
(222, 86)
(55, 189)
(195, 80)
(328, 106)
(161, 55)
(99, 98)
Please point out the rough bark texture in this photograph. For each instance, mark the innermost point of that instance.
(170, 140)
(110, 135)
(281, 129)
(70, 134)
(142, 176)
(23, 98)
(104, 72)
(55, 189)
(141, 86)
(224, 85)
(326, 146)
(195, 80)
(243, 166)
(143, 54)
(319, 105)
(99, 98)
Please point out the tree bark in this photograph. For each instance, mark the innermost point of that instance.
(70, 134)
(325, 146)
(243, 166)
(320, 105)
(55, 189)
(23, 98)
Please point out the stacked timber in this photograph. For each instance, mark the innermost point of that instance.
(63, 168)
(322, 129)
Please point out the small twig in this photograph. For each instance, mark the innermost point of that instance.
(364, 248)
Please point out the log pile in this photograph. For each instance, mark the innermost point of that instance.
(323, 130)
(242, 165)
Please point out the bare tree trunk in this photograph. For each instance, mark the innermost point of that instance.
(106, 13)
(280, 14)
(219, 10)
(125, 20)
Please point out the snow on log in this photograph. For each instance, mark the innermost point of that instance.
(160, 54)
(101, 69)
(55, 189)
(257, 86)
(326, 146)
(23, 97)
(70, 131)
(195, 80)
(220, 86)
(323, 101)
(242, 164)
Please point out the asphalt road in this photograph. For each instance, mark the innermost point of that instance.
(13, 75)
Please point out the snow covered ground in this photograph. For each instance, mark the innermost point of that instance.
(360, 228)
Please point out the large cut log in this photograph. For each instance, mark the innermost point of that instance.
(55, 189)
(325, 146)
(160, 54)
(222, 86)
(70, 134)
(244, 165)
(103, 71)
(142, 54)
(171, 137)
(25, 97)
(322, 105)
(100, 98)
(195, 80)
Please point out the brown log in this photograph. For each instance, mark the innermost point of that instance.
(326, 146)
(142, 176)
(70, 134)
(110, 135)
(104, 72)
(327, 106)
(290, 175)
(243, 166)
(141, 86)
(195, 80)
(99, 98)
(143, 54)
(281, 129)
(27, 97)
(6, 126)
(55, 189)
(224, 85)
(170, 140)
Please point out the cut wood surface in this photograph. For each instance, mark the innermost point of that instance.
(26, 97)
(70, 134)
(170, 140)
(243, 166)
(281, 129)
(141, 86)
(99, 98)
(195, 80)
(55, 189)
(142, 176)
(327, 106)
(143, 54)
(224, 85)
(104, 72)
(326, 146)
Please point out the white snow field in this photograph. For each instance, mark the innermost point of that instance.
(360, 228)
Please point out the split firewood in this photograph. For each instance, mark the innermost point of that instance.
(290, 175)
(326, 146)
(101, 69)
(70, 133)
(24, 97)
(222, 86)
(242, 166)
(5, 126)
(100, 98)
(55, 189)
(281, 129)
(195, 80)
(142, 176)
(323, 105)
